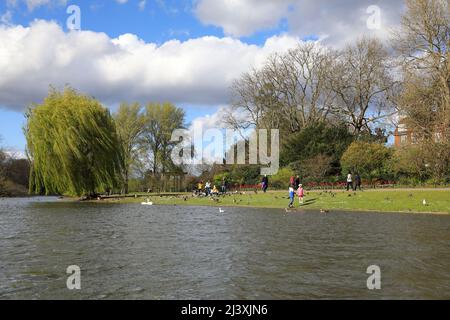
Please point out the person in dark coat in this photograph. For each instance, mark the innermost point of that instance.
(297, 182)
(357, 184)
(265, 183)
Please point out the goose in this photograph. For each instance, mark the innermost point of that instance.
(147, 203)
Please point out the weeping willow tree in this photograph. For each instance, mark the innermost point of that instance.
(73, 146)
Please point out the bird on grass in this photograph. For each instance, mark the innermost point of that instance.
(424, 202)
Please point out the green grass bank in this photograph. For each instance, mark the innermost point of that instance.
(393, 200)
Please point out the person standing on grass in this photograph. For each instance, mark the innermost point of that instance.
(300, 193)
(297, 182)
(208, 188)
(357, 182)
(265, 183)
(224, 185)
(291, 196)
(349, 182)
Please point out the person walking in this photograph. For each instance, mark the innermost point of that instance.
(349, 182)
(265, 183)
(292, 181)
(357, 184)
(300, 193)
(291, 196)
(297, 182)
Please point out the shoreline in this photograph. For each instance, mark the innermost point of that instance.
(366, 201)
(298, 209)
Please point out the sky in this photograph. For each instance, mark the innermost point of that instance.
(187, 52)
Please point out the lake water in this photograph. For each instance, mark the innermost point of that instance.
(128, 251)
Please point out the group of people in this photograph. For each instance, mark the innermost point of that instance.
(295, 187)
(353, 183)
(205, 189)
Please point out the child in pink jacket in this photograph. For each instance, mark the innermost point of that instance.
(300, 193)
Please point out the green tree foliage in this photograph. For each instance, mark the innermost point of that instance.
(409, 162)
(322, 139)
(281, 179)
(130, 124)
(366, 158)
(246, 174)
(315, 168)
(73, 145)
(160, 122)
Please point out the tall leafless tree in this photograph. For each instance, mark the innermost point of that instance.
(423, 43)
(361, 82)
(288, 93)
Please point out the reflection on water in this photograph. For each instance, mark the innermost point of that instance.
(142, 252)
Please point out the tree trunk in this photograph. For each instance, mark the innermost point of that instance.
(125, 183)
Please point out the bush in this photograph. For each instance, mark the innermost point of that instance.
(370, 160)
(318, 140)
(281, 179)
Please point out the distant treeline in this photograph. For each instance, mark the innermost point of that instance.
(13, 175)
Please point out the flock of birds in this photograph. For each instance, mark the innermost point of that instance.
(215, 199)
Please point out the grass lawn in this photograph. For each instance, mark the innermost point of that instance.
(438, 201)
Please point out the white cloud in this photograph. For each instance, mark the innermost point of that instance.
(241, 17)
(197, 71)
(341, 22)
(336, 22)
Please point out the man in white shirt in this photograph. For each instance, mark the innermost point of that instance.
(349, 182)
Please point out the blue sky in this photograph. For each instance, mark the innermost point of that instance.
(159, 22)
(187, 51)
